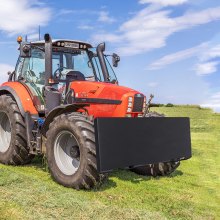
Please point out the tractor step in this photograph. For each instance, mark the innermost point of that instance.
(130, 142)
(33, 134)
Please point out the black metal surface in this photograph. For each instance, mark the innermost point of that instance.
(138, 103)
(100, 50)
(124, 142)
(48, 59)
(52, 98)
(97, 101)
(33, 134)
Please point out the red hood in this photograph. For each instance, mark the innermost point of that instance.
(100, 90)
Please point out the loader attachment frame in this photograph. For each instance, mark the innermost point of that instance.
(131, 142)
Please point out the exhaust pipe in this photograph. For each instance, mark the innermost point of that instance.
(48, 59)
(100, 49)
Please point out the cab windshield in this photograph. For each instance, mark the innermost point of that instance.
(32, 69)
(98, 70)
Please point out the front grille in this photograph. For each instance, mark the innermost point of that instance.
(138, 103)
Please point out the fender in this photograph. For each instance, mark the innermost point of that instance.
(58, 111)
(21, 96)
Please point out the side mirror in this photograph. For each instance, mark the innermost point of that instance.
(11, 76)
(25, 50)
(115, 59)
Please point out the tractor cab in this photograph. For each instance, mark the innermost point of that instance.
(63, 62)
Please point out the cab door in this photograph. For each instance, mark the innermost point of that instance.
(31, 73)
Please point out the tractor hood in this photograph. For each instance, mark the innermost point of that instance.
(86, 89)
(108, 100)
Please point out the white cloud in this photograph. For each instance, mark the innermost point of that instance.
(108, 37)
(210, 53)
(153, 84)
(8, 42)
(214, 102)
(204, 54)
(34, 36)
(85, 27)
(207, 67)
(178, 56)
(151, 27)
(65, 12)
(23, 16)
(105, 18)
(4, 69)
(164, 2)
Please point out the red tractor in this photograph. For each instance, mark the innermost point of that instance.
(63, 100)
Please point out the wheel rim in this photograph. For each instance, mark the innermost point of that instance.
(5, 132)
(67, 153)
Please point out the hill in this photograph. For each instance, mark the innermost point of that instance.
(191, 192)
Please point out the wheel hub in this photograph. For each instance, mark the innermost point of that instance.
(67, 152)
(74, 152)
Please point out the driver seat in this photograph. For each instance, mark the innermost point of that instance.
(74, 76)
(70, 77)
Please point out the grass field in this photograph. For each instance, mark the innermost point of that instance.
(192, 192)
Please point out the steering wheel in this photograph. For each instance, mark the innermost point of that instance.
(57, 73)
(30, 75)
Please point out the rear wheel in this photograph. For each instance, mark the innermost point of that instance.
(159, 169)
(13, 144)
(71, 151)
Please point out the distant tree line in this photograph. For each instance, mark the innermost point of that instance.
(173, 105)
(161, 105)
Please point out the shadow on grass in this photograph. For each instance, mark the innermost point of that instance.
(176, 173)
(129, 176)
(39, 162)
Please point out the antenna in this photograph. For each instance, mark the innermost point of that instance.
(39, 32)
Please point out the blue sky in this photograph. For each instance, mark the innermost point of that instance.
(170, 48)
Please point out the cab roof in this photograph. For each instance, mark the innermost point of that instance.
(41, 42)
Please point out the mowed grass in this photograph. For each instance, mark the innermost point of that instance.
(191, 192)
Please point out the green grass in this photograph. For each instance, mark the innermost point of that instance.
(191, 192)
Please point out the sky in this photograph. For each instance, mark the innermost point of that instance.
(170, 48)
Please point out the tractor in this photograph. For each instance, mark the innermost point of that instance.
(64, 101)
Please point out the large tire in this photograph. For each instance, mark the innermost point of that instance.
(71, 152)
(159, 169)
(13, 144)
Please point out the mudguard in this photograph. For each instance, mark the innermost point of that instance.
(130, 142)
(21, 95)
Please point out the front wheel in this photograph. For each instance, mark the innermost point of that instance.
(71, 153)
(158, 169)
(13, 144)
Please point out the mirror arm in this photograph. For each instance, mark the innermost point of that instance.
(11, 76)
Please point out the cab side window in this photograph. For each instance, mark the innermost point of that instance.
(33, 70)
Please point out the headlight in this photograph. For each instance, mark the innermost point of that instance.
(130, 99)
(144, 105)
(130, 104)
